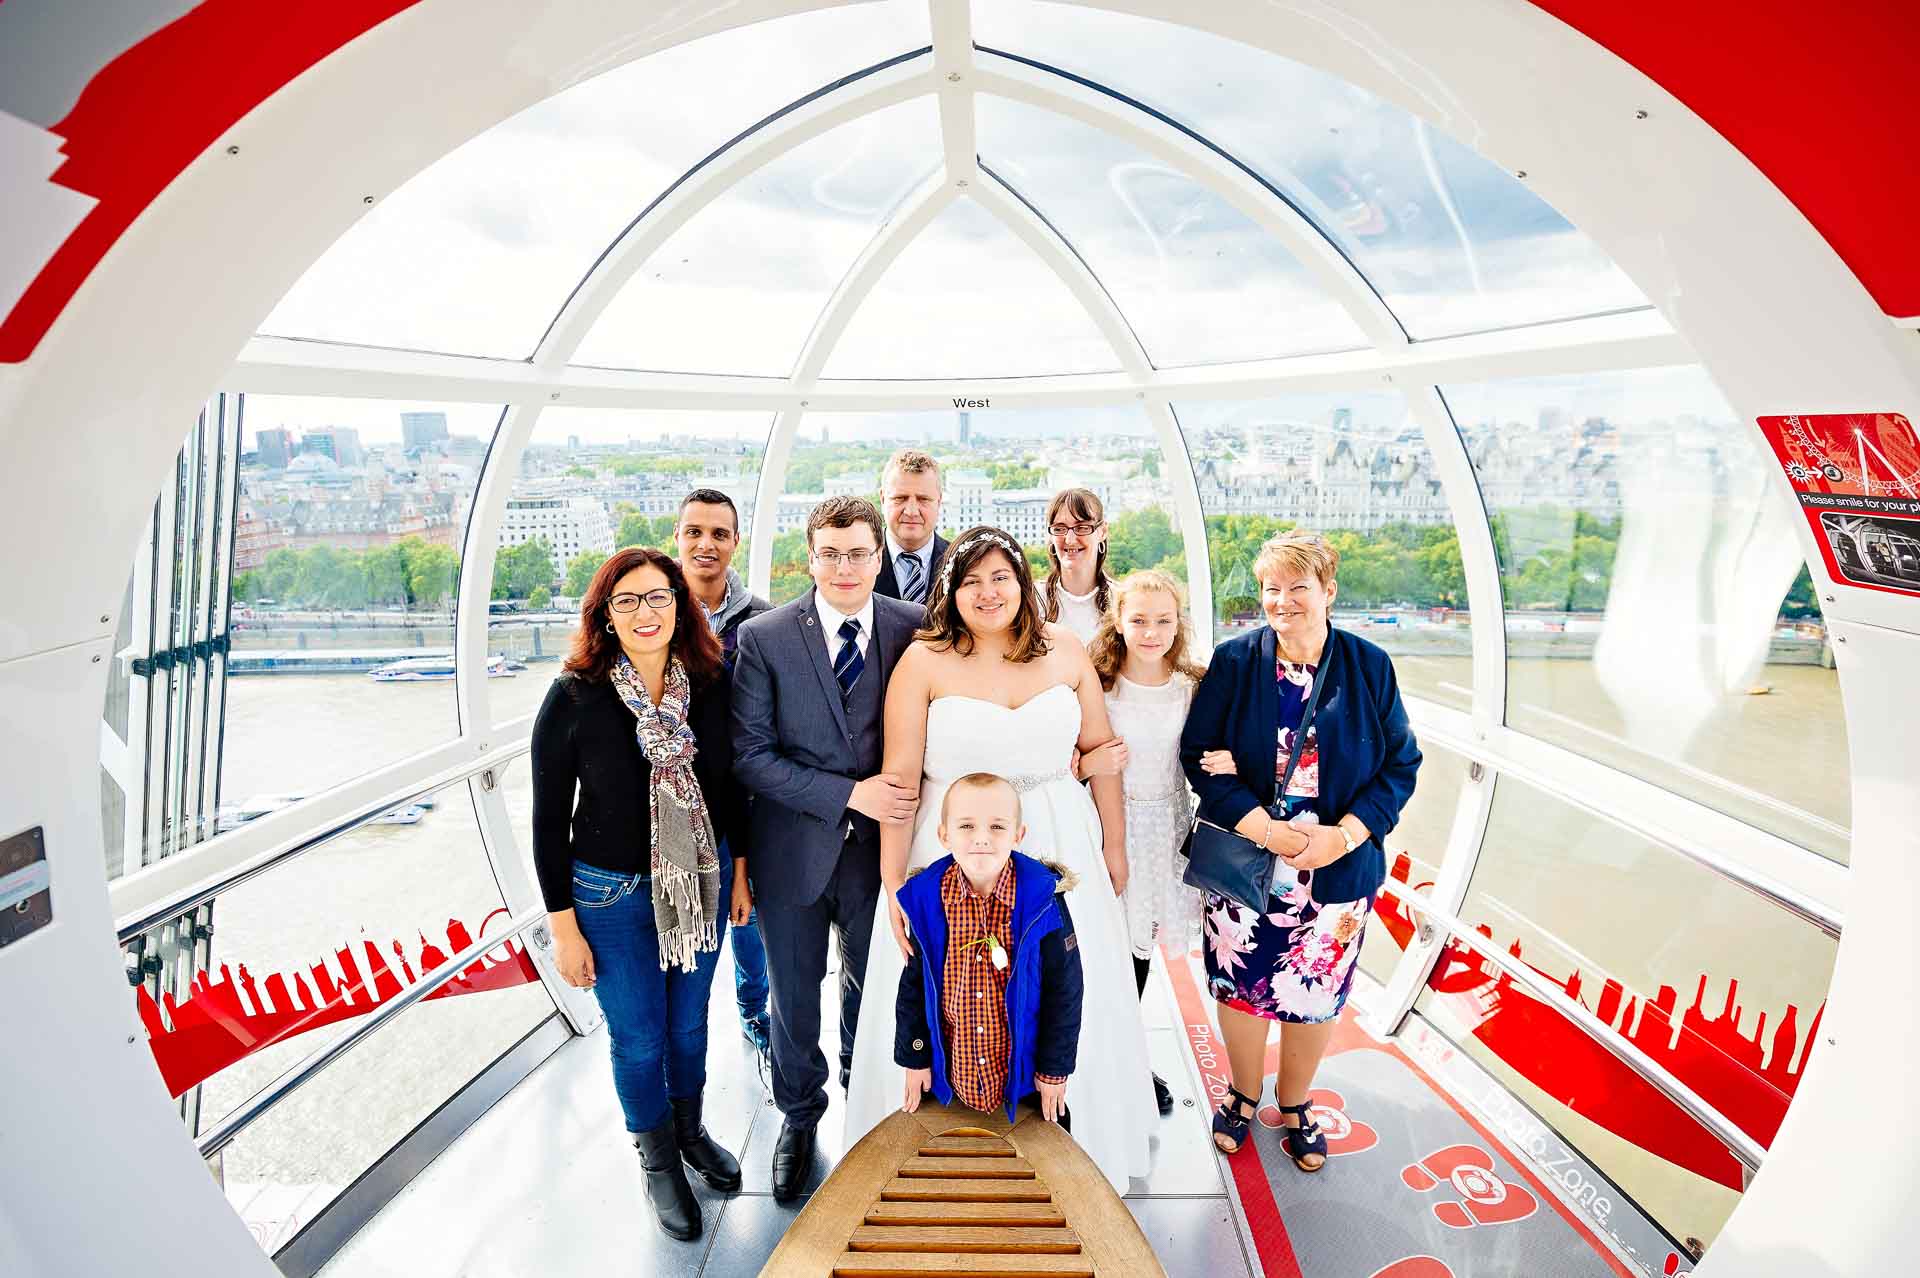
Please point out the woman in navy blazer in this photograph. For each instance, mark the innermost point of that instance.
(1294, 961)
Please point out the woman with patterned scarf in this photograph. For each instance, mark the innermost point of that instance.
(636, 892)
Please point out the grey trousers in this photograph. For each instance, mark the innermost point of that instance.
(796, 939)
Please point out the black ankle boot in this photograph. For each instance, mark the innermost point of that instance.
(716, 1166)
(674, 1205)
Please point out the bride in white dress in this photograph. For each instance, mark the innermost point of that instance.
(996, 689)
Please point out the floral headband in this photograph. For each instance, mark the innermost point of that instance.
(953, 555)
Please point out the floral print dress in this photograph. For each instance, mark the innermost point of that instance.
(1294, 961)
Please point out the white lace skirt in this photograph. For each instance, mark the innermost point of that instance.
(1159, 907)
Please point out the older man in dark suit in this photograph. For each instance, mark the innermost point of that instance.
(809, 685)
(910, 498)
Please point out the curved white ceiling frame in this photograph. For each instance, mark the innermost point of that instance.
(899, 230)
(830, 107)
(1210, 166)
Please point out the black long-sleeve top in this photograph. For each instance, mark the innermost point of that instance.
(584, 743)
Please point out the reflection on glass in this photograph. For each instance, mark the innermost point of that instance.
(1355, 467)
(1659, 617)
(1449, 240)
(1414, 850)
(476, 253)
(1721, 988)
(998, 467)
(738, 288)
(346, 559)
(591, 480)
(379, 905)
(968, 299)
(1198, 281)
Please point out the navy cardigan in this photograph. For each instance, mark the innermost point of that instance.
(1368, 757)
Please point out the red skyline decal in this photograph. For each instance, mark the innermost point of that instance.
(223, 1021)
(1736, 1074)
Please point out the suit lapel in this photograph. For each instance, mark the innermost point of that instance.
(1266, 715)
(816, 645)
(889, 641)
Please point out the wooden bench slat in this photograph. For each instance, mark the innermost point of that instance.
(951, 1213)
(968, 1238)
(966, 1147)
(996, 1168)
(923, 1189)
(912, 1264)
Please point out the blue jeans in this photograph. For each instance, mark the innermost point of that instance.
(749, 955)
(657, 1021)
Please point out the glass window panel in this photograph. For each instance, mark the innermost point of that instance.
(998, 467)
(968, 299)
(738, 288)
(346, 557)
(1630, 928)
(1451, 241)
(476, 253)
(590, 480)
(1414, 851)
(1198, 281)
(396, 887)
(1355, 466)
(1659, 616)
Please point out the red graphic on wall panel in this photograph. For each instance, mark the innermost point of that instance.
(149, 112)
(1857, 476)
(1736, 1074)
(1485, 1198)
(222, 1021)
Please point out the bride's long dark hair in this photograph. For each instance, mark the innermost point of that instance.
(944, 628)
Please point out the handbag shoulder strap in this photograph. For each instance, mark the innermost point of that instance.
(1306, 721)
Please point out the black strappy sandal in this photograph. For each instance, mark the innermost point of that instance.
(1229, 1124)
(1306, 1140)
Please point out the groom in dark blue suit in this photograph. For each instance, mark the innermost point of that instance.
(809, 685)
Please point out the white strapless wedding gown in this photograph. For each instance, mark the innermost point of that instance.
(1111, 1090)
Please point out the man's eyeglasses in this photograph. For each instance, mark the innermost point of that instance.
(1081, 531)
(854, 558)
(658, 600)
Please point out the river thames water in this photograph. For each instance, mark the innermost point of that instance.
(1573, 890)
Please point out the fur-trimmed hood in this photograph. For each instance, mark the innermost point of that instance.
(1065, 880)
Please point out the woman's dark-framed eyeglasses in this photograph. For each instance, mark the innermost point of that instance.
(1082, 531)
(658, 600)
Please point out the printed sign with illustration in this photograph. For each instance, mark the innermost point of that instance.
(1857, 476)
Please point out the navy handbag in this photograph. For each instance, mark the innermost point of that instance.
(1227, 863)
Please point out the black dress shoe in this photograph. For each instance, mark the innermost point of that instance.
(792, 1160)
(716, 1166)
(674, 1205)
(1162, 1096)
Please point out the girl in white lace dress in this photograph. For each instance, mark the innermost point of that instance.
(1140, 652)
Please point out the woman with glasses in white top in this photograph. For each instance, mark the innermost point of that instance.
(1077, 591)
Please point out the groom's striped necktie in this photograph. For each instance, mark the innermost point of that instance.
(913, 583)
(848, 665)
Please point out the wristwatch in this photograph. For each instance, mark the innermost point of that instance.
(1346, 836)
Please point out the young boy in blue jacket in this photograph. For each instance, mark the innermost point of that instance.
(989, 1006)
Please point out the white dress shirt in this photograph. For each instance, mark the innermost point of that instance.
(831, 619)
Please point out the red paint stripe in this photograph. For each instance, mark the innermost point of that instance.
(1817, 96)
(151, 111)
(1270, 1240)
